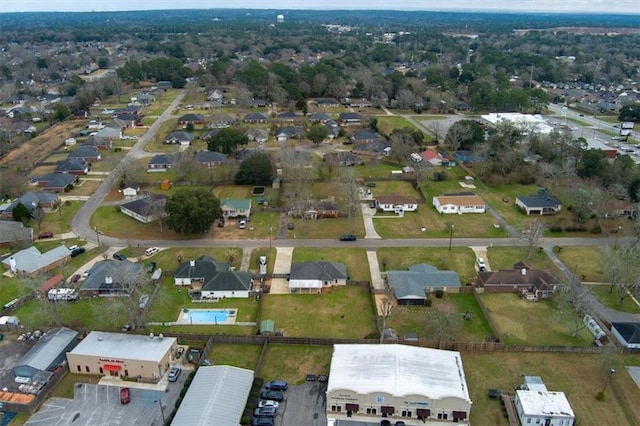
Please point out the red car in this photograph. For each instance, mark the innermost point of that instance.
(75, 278)
(44, 235)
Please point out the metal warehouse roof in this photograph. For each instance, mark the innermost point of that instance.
(48, 348)
(217, 396)
(399, 370)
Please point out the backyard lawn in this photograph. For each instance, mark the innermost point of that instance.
(459, 259)
(344, 312)
(502, 258)
(580, 376)
(584, 261)
(292, 363)
(355, 259)
(521, 322)
(610, 300)
(237, 355)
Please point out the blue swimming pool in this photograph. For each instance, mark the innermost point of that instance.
(208, 316)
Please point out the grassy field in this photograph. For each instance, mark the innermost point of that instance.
(344, 312)
(59, 221)
(386, 124)
(292, 362)
(459, 259)
(422, 320)
(243, 356)
(521, 322)
(581, 377)
(87, 187)
(585, 261)
(326, 228)
(354, 259)
(610, 300)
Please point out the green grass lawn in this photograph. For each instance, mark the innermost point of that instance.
(422, 320)
(521, 322)
(354, 259)
(586, 261)
(243, 356)
(459, 259)
(610, 300)
(502, 258)
(373, 170)
(580, 376)
(344, 312)
(59, 221)
(387, 124)
(293, 362)
(262, 251)
(326, 228)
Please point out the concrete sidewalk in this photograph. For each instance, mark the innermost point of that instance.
(281, 266)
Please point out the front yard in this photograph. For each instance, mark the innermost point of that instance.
(354, 259)
(459, 259)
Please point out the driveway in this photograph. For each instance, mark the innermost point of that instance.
(367, 216)
(281, 266)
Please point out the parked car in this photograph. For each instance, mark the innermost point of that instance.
(151, 267)
(262, 421)
(323, 378)
(311, 377)
(372, 204)
(276, 385)
(290, 225)
(74, 279)
(347, 237)
(151, 251)
(77, 251)
(221, 222)
(481, 263)
(272, 395)
(44, 235)
(265, 411)
(243, 224)
(174, 373)
(119, 256)
(268, 403)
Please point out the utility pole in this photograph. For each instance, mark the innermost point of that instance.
(451, 235)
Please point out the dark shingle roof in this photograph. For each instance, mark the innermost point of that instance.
(210, 157)
(217, 276)
(324, 271)
(143, 206)
(543, 200)
(71, 164)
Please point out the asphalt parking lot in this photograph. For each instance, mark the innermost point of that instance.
(303, 405)
(10, 352)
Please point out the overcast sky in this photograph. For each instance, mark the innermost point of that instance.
(612, 6)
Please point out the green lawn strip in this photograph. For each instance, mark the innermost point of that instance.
(64, 388)
(514, 318)
(585, 261)
(387, 124)
(579, 376)
(372, 170)
(293, 362)
(237, 355)
(108, 162)
(262, 251)
(354, 259)
(610, 300)
(59, 221)
(459, 259)
(344, 312)
(326, 228)
(233, 191)
(608, 118)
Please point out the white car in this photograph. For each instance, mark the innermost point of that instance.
(268, 403)
(481, 263)
(151, 251)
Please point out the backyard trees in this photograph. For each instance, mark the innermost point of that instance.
(227, 140)
(464, 134)
(531, 235)
(622, 270)
(255, 170)
(192, 211)
(574, 301)
(317, 133)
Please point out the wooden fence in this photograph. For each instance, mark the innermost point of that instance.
(485, 312)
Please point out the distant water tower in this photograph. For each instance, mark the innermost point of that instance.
(280, 19)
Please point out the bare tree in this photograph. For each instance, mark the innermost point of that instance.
(553, 173)
(387, 304)
(622, 269)
(49, 310)
(444, 325)
(232, 255)
(573, 301)
(532, 233)
(38, 215)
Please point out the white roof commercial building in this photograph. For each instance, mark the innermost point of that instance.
(524, 122)
(217, 396)
(123, 355)
(397, 382)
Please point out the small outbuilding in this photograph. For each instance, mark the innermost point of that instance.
(267, 328)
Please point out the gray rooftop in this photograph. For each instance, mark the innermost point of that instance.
(116, 270)
(325, 271)
(30, 260)
(412, 283)
(120, 345)
(543, 200)
(48, 348)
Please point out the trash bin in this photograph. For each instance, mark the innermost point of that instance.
(1, 337)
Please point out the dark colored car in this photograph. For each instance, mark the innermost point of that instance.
(272, 395)
(290, 225)
(262, 421)
(75, 252)
(276, 385)
(322, 378)
(311, 377)
(151, 267)
(372, 204)
(75, 278)
(221, 222)
(265, 412)
(119, 256)
(44, 235)
(347, 237)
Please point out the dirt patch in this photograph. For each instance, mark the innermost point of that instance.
(38, 148)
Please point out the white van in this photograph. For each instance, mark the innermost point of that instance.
(416, 158)
(151, 251)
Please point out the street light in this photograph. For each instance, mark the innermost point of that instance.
(270, 231)
(615, 246)
(451, 235)
(164, 421)
(97, 235)
(611, 373)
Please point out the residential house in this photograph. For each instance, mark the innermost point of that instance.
(193, 119)
(144, 98)
(459, 203)
(119, 124)
(350, 119)
(627, 333)
(14, 233)
(31, 261)
(535, 405)
(72, 166)
(319, 117)
(122, 122)
(24, 127)
(532, 284)
(257, 135)
(164, 85)
(147, 209)
(326, 103)
(181, 138)
(466, 156)
(412, 287)
(56, 182)
(432, 157)
(101, 144)
(210, 159)
(396, 203)
(357, 103)
(365, 136)
(343, 158)
(111, 278)
(288, 117)
(130, 190)
(256, 118)
(210, 134)
(85, 153)
(376, 148)
(614, 208)
(314, 210)
(109, 133)
(446, 159)
(216, 95)
(31, 200)
(333, 129)
(258, 103)
(236, 207)
(312, 277)
(541, 204)
(293, 132)
(220, 121)
(209, 279)
(160, 163)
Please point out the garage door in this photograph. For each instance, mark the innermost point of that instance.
(352, 407)
(423, 412)
(387, 410)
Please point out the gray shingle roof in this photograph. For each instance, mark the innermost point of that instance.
(323, 271)
(116, 270)
(412, 283)
(210, 157)
(216, 276)
(145, 206)
(543, 200)
(31, 260)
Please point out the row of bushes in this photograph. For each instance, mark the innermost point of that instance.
(595, 229)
